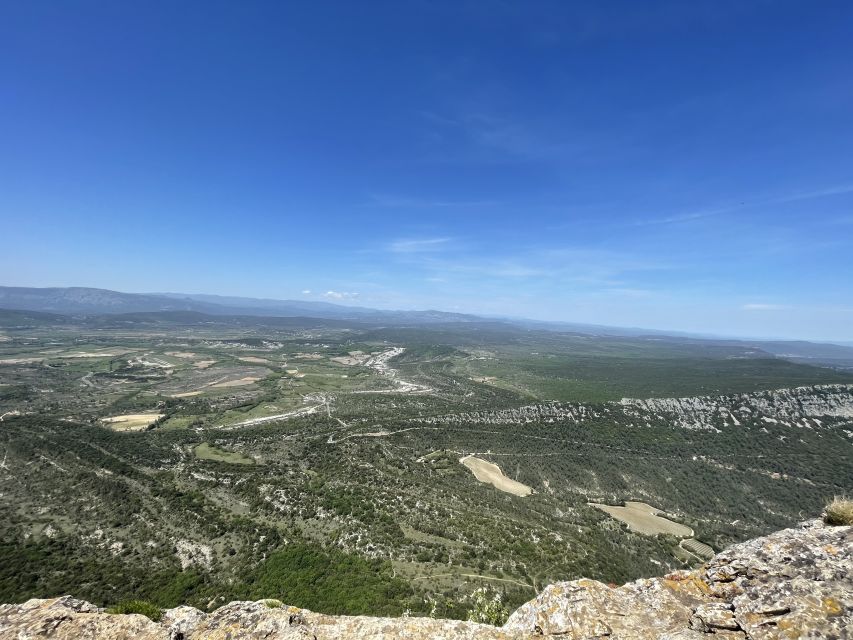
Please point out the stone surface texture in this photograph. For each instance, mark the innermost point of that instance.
(796, 583)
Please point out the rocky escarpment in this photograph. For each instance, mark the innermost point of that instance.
(797, 583)
(800, 407)
(803, 407)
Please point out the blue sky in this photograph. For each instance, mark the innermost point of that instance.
(674, 165)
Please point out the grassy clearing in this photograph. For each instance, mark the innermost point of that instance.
(490, 473)
(839, 511)
(643, 518)
(206, 451)
(280, 404)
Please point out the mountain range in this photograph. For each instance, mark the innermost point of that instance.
(87, 300)
(206, 308)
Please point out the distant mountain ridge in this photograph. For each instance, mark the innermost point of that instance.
(86, 300)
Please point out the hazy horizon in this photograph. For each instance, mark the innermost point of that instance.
(665, 330)
(671, 166)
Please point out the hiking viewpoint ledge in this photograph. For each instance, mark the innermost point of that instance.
(796, 583)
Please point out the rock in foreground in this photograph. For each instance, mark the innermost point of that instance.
(797, 583)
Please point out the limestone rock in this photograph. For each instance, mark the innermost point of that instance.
(708, 618)
(69, 619)
(796, 583)
(590, 609)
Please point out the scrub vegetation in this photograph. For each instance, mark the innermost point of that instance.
(839, 512)
(318, 464)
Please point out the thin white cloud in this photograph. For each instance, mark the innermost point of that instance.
(818, 193)
(418, 245)
(341, 295)
(306, 292)
(629, 292)
(395, 201)
(589, 269)
(685, 217)
(760, 306)
(487, 137)
(797, 196)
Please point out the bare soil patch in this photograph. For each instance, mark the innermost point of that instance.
(96, 353)
(132, 421)
(490, 473)
(21, 360)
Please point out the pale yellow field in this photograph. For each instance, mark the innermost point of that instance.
(491, 473)
(241, 382)
(186, 394)
(181, 354)
(644, 518)
(203, 364)
(254, 359)
(132, 421)
(97, 353)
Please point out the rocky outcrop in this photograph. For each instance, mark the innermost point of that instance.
(801, 407)
(797, 583)
(69, 619)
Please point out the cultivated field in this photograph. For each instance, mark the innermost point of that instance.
(132, 421)
(644, 518)
(490, 473)
(699, 549)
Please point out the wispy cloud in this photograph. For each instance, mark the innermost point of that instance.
(629, 292)
(405, 202)
(837, 190)
(419, 245)
(760, 306)
(341, 295)
(796, 196)
(487, 137)
(686, 217)
(584, 268)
